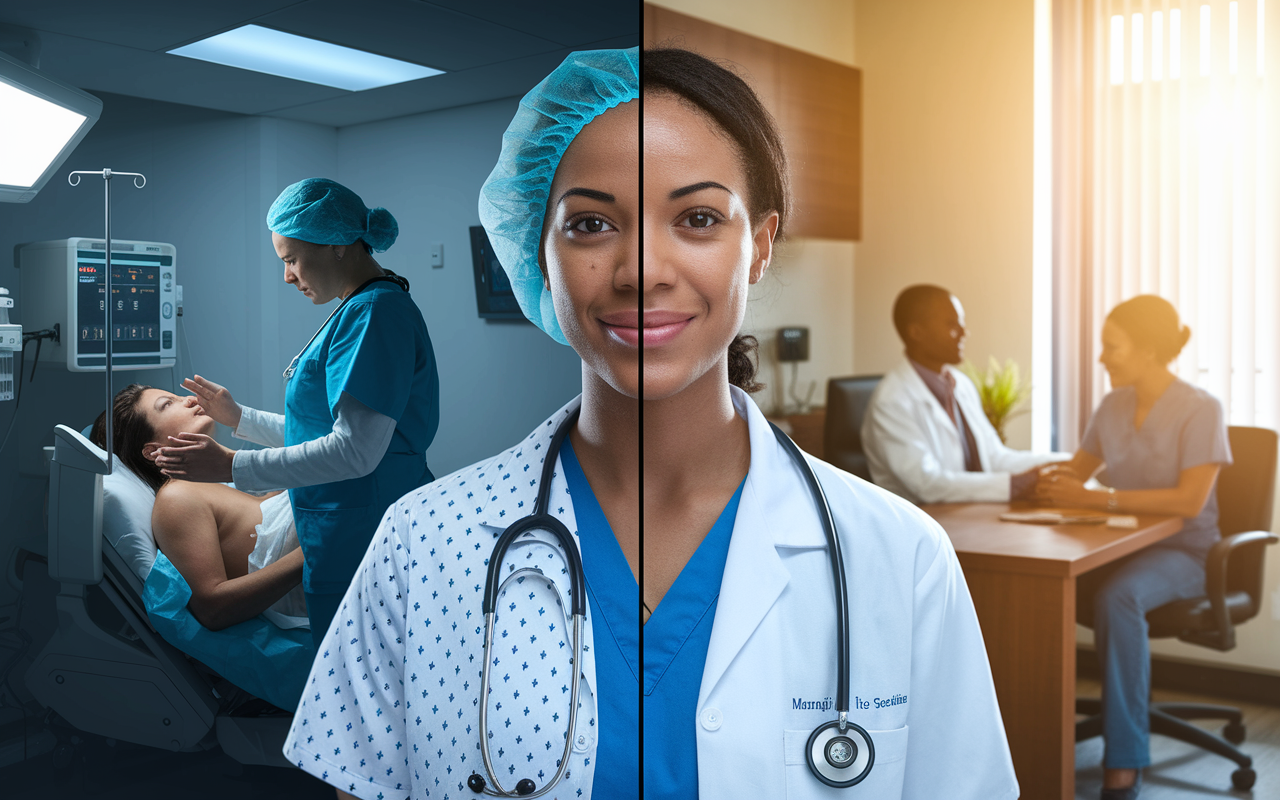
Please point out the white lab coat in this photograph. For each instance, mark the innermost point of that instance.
(914, 640)
(914, 450)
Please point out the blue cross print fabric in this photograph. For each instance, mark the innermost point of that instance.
(391, 707)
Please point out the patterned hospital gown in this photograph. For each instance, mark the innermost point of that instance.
(391, 708)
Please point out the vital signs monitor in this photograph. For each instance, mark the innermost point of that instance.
(64, 282)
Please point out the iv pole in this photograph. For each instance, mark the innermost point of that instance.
(139, 181)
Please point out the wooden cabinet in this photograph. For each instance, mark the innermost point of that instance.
(816, 102)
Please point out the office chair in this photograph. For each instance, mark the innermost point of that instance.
(1233, 594)
(847, 400)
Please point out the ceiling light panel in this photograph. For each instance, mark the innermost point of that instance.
(273, 52)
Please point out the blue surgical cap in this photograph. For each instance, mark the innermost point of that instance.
(322, 211)
(513, 201)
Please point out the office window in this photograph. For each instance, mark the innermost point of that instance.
(1168, 186)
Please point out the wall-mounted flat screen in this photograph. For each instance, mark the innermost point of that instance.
(494, 297)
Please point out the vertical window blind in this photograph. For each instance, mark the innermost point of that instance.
(1177, 196)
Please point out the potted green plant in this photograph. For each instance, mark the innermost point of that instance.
(1001, 391)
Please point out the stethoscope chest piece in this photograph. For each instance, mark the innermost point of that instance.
(840, 759)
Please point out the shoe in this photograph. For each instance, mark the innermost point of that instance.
(1127, 793)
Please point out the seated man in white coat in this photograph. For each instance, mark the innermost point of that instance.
(924, 433)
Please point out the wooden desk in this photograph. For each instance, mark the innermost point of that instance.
(1023, 581)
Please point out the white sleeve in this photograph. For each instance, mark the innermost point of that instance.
(353, 449)
(261, 427)
(354, 705)
(895, 443)
(958, 748)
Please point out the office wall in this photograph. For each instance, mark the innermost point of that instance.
(497, 380)
(947, 172)
(211, 177)
(811, 281)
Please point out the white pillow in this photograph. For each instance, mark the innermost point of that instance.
(126, 517)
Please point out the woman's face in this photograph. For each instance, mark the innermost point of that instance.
(592, 246)
(168, 414)
(1124, 361)
(314, 268)
(701, 251)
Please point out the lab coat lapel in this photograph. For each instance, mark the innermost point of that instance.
(929, 406)
(754, 575)
(511, 489)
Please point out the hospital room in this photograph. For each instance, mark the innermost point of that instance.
(987, 511)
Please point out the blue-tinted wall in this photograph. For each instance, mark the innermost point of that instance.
(211, 177)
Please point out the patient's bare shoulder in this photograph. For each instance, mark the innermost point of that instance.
(179, 503)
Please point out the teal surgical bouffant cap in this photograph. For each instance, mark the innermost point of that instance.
(322, 211)
(513, 201)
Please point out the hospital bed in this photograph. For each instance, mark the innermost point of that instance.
(107, 667)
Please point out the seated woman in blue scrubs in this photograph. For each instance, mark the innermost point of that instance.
(1163, 442)
(392, 705)
(740, 638)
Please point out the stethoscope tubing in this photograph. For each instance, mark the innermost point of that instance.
(539, 519)
(837, 572)
(497, 790)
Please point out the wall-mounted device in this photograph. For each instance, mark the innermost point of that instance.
(793, 347)
(494, 296)
(63, 282)
(793, 344)
(10, 342)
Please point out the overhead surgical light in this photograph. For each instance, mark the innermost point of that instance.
(41, 122)
(273, 52)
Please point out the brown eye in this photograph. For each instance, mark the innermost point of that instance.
(592, 225)
(701, 220)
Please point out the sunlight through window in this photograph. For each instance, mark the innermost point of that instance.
(1117, 50)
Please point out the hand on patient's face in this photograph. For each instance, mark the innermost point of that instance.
(195, 457)
(215, 400)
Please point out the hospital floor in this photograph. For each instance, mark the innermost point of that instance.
(101, 771)
(1179, 771)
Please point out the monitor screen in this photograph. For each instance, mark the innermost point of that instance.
(135, 292)
(494, 297)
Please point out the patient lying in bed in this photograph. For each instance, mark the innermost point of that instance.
(238, 553)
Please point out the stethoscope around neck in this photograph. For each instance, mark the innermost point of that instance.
(540, 519)
(840, 753)
(402, 282)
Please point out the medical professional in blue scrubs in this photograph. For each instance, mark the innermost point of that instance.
(1163, 443)
(362, 399)
(740, 656)
(392, 706)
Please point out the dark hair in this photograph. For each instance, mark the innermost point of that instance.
(1152, 323)
(734, 107)
(130, 432)
(911, 304)
(742, 367)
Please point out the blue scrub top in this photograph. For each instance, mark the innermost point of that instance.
(614, 599)
(1183, 429)
(375, 349)
(676, 639)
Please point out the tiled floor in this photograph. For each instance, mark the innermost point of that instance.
(1179, 771)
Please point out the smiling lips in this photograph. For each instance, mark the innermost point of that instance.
(659, 328)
